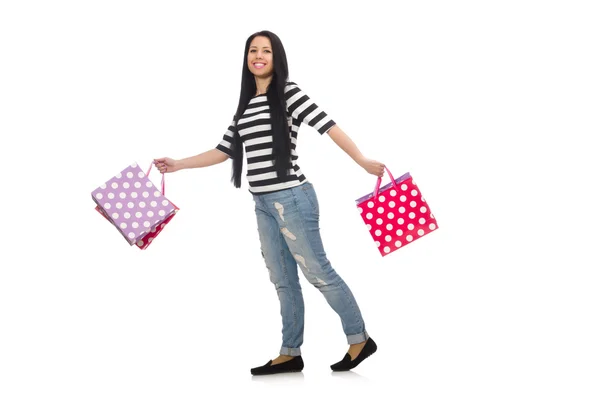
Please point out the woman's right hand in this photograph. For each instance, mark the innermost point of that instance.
(166, 165)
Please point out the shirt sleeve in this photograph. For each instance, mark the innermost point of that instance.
(226, 144)
(301, 107)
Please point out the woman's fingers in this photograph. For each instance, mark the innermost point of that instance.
(160, 165)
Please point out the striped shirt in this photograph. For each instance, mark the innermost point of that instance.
(254, 128)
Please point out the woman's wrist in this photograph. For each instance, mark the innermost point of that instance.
(361, 160)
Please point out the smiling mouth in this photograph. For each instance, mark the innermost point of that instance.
(259, 65)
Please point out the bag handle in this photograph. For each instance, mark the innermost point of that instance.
(162, 181)
(378, 184)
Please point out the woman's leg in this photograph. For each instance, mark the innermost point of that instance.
(283, 273)
(296, 212)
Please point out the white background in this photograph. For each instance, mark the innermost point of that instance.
(492, 107)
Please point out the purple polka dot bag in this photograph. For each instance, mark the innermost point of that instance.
(135, 207)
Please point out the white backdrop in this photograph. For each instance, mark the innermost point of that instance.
(492, 107)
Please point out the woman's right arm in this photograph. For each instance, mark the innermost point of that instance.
(206, 159)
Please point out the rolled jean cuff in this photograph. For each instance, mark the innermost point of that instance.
(357, 338)
(290, 351)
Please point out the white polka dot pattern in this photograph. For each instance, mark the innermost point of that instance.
(139, 227)
(151, 235)
(397, 213)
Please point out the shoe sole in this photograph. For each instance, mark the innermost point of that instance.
(279, 372)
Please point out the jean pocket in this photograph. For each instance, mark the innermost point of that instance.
(311, 197)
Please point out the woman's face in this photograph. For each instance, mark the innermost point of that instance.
(260, 57)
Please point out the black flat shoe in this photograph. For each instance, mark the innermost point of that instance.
(294, 365)
(347, 363)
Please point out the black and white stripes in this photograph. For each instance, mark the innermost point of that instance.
(255, 130)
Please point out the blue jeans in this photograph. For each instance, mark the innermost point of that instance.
(288, 227)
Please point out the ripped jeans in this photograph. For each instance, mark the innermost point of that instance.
(288, 227)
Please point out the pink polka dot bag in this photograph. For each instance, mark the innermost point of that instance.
(396, 214)
(132, 203)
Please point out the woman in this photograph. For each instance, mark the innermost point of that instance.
(267, 120)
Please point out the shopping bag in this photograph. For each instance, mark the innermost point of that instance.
(396, 214)
(133, 204)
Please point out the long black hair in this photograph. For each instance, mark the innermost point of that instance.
(276, 99)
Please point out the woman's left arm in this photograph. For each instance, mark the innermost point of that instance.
(347, 145)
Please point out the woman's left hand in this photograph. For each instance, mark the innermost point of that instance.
(373, 167)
